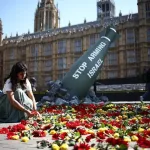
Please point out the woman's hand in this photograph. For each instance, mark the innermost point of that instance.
(33, 113)
(39, 115)
(36, 113)
(29, 113)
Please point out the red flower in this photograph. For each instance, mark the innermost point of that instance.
(146, 133)
(55, 136)
(4, 131)
(58, 136)
(63, 135)
(72, 124)
(39, 133)
(101, 135)
(109, 132)
(89, 137)
(82, 131)
(17, 128)
(87, 124)
(143, 142)
(35, 124)
(115, 142)
(81, 146)
(24, 122)
(10, 134)
(46, 127)
(34, 112)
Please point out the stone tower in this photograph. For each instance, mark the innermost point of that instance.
(46, 16)
(105, 9)
(144, 17)
(1, 32)
(143, 9)
(144, 32)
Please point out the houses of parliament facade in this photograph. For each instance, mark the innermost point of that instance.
(50, 51)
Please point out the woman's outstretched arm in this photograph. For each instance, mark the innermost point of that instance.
(16, 104)
(31, 96)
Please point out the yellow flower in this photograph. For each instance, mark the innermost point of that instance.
(90, 131)
(64, 146)
(52, 132)
(124, 108)
(102, 129)
(92, 148)
(144, 107)
(114, 128)
(15, 137)
(68, 116)
(135, 119)
(117, 119)
(45, 131)
(148, 129)
(139, 117)
(67, 131)
(55, 147)
(48, 121)
(127, 139)
(120, 117)
(116, 135)
(79, 140)
(99, 110)
(27, 127)
(140, 130)
(134, 138)
(54, 117)
(24, 139)
(67, 138)
(62, 123)
(125, 116)
(73, 110)
(82, 120)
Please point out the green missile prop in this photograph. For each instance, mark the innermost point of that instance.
(85, 70)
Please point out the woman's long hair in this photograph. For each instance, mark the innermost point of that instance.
(17, 68)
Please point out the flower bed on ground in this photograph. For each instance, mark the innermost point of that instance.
(87, 127)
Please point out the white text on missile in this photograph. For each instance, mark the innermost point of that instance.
(96, 51)
(95, 68)
(80, 70)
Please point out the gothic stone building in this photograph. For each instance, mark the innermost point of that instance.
(50, 51)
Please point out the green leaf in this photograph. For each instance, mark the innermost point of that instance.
(72, 143)
(76, 135)
(122, 147)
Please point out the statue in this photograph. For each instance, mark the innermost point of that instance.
(85, 70)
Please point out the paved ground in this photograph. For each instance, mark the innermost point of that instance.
(17, 144)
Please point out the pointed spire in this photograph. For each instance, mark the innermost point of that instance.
(16, 34)
(0, 25)
(37, 5)
(69, 24)
(85, 20)
(128, 18)
(120, 13)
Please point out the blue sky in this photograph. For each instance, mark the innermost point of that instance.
(18, 15)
